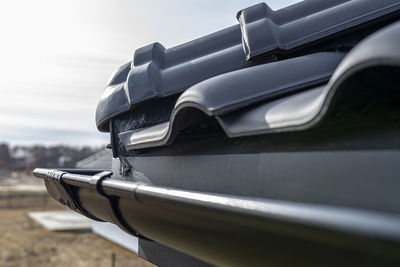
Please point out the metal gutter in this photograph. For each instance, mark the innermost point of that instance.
(231, 230)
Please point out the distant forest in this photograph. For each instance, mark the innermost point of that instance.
(29, 157)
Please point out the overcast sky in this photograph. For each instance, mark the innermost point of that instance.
(56, 56)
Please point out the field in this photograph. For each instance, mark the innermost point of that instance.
(25, 243)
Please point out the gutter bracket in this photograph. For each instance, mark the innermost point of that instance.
(110, 204)
(64, 194)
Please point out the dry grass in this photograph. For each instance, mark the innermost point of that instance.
(25, 243)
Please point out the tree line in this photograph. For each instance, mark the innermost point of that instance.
(29, 157)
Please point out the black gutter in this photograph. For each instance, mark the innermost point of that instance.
(236, 231)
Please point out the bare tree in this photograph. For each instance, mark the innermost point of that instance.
(5, 158)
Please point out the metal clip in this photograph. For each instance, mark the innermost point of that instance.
(64, 194)
(110, 203)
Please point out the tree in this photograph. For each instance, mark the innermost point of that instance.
(5, 159)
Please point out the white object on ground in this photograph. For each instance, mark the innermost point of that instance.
(20, 188)
(61, 220)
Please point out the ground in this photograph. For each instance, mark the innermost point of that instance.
(23, 242)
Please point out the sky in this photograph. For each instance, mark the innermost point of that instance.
(56, 57)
